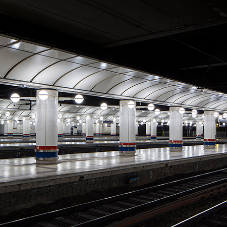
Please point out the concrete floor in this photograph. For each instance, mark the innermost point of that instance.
(26, 168)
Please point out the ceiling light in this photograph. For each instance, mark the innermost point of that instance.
(79, 99)
(7, 113)
(225, 115)
(150, 106)
(103, 65)
(181, 110)
(103, 106)
(216, 114)
(131, 104)
(78, 117)
(15, 97)
(157, 111)
(43, 95)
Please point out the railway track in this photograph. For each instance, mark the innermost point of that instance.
(214, 216)
(134, 207)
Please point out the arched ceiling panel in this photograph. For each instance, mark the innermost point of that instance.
(134, 89)
(190, 95)
(197, 100)
(158, 93)
(52, 73)
(91, 80)
(72, 78)
(171, 96)
(120, 87)
(27, 69)
(110, 82)
(207, 101)
(146, 91)
(57, 54)
(9, 57)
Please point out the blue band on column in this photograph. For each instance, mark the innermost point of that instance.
(153, 137)
(176, 145)
(209, 143)
(46, 154)
(87, 138)
(127, 148)
(25, 136)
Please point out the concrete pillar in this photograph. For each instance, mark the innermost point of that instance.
(136, 128)
(60, 128)
(153, 129)
(198, 130)
(84, 129)
(26, 128)
(175, 129)
(113, 129)
(89, 128)
(10, 128)
(148, 129)
(47, 128)
(209, 129)
(127, 145)
(97, 129)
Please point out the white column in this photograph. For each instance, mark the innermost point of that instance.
(175, 129)
(10, 128)
(89, 128)
(47, 128)
(97, 129)
(198, 130)
(100, 128)
(84, 129)
(153, 129)
(148, 129)
(60, 128)
(209, 129)
(113, 129)
(127, 145)
(136, 128)
(26, 127)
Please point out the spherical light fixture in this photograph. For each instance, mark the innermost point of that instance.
(224, 115)
(59, 116)
(103, 106)
(150, 106)
(79, 99)
(181, 110)
(157, 111)
(15, 97)
(43, 95)
(101, 118)
(7, 113)
(220, 116)
(131, 104)
(194, 112)
(216, 114)
(78, 117)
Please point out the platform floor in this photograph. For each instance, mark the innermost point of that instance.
(26, 168)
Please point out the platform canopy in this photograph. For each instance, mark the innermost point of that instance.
(34, 66)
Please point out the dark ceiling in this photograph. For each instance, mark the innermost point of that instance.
(183, 40)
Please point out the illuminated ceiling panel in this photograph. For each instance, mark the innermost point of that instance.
(43, 67)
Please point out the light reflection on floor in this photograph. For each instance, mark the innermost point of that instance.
(22, 168)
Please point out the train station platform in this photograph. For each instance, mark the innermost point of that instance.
(23, 183)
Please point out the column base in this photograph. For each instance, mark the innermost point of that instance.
(175, 149)
(198, 139)
(127, 148)
(175, 145)
(26, 136)
(127, 153)
(209, 146)
(89, 139)
(46, 156)
(209, 143)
